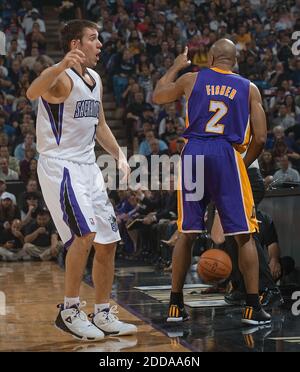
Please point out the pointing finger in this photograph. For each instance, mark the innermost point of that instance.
(186, 49)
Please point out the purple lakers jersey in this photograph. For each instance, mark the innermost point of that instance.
(219, 106)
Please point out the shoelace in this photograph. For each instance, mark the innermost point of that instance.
(77, 313)
(109, 315)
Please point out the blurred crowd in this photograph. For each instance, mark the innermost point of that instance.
(26, 229)
(141, 39)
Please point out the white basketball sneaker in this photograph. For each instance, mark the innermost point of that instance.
(75, 322)
(110, 325)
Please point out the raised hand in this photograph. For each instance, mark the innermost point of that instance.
(72, 58)
(182, 60)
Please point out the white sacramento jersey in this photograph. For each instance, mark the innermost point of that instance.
(67, 130)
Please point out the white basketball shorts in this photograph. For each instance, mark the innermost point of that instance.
(76, 197)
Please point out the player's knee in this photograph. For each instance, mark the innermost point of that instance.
(242, 239)
(86, 239)
(103, 253)
(217, 239)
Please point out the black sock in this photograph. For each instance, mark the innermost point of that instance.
(177, 299)
(252, 300)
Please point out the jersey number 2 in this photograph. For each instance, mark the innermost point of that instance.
(214, 125)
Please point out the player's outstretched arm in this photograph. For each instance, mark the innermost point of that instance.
(51, 82)
(166, 89)
(258, 126)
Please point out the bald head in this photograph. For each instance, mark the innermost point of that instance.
(222, 53)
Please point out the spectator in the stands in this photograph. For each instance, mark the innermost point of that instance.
(155, 150)
(3, 139)
(147, 125)
(167, 63)
(201, 56)
(8, 210)
(281, 148)
(279, 266)
(145, 82)
(267, 164)
(132, 88)
(286, 173)
(276, 135)
(28, 142)
(33, 170)
(170, 131)
(277, 100)
(170, 113)
(7, 129)
(34, 57)
(32, 203)
(165, 53)
(31, 17)
(291, 107)
(41, 239)
(284, 119)
(14, 75)
(31, 187)
(25, 163)
(134, 114)
(22, 130)
(145, 145)
(14, 48)
(11, 241)
(152, 46)
(37, 37)
(13, 163)
(123, 69)
(7, 173)
(3, 187)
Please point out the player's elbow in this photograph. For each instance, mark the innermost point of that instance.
(158, 98)
(155, 98)
(261, 139)
(30, 95)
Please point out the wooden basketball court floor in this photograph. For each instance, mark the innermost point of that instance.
(33, 289)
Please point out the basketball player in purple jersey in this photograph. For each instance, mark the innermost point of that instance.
(224, 117)
(70, 117)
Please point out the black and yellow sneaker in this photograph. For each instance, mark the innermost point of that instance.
(177, 314)
(255, 317)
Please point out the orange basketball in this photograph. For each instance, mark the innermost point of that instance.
(214, 265)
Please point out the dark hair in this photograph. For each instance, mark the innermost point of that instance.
(74, 30)
(41, 212)
(31, 195)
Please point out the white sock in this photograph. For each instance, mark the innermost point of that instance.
(70, 301)
(101, 307)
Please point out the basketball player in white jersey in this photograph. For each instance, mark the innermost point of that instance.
(70, 117)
